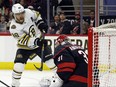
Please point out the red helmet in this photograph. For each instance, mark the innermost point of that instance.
(61, 38)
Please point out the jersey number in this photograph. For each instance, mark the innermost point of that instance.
(32, 31)
(15, 35)
(84, 55)
(60, 58)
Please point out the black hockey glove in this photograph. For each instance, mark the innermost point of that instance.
(40, 42)
(43, 27)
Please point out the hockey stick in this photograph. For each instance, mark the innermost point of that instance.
(42, 57)
(4, 83)
(42, 53)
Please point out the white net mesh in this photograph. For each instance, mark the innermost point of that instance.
(106, 26)
(104, 58)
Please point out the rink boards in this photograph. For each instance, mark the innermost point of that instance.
(8, 49)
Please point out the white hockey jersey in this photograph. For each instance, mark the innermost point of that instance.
(26, 33)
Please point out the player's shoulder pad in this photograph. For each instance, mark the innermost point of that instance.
(32, 12)
(37, 13)
(29, 14)
(28, 11)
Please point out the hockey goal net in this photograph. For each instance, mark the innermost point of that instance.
(102, 57)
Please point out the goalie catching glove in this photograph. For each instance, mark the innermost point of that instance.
(55, 81)
(45, 82)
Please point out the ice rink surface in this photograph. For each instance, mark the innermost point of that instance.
(29, 78)
(32, 78)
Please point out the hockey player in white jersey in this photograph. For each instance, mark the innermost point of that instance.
(27, 27)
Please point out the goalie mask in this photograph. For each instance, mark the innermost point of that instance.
(62, 39)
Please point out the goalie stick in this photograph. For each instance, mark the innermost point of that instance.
(4, 83)
(42, 57)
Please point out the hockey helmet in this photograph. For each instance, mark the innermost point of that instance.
(61, 38)
(17, 8)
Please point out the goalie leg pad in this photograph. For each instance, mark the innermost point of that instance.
(45, 82)
(56, 81)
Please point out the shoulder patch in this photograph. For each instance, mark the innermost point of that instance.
(38, 14)
(13, 26)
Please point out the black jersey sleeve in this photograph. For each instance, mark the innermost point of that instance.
(42, 25)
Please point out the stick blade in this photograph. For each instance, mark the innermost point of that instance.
(40, 69)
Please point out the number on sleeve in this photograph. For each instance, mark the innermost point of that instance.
(60, 58)
(84, 55)
(15, 35)
(32, 31)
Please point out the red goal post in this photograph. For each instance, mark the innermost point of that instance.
(102, 58)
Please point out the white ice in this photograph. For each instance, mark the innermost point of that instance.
(32, 78)
(29, 78)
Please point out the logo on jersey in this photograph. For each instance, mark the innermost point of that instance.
(19, 56)
(13, 26)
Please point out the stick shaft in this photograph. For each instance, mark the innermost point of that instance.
(4, 83)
